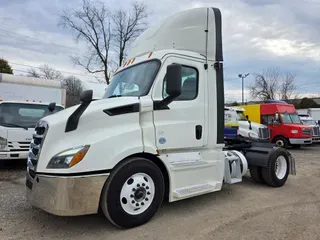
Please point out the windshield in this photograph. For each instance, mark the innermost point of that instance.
(23, 115)
(309, 122)
(290, 118)
(133, 81)
(241, 116)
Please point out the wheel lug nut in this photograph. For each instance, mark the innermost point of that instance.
(133, 189)
(138, 185)
(142, 203)
(143, 184)
(137, 204)
(147, 187)
(131, 196)
(148, 193)
(133, 202)
(147, 199)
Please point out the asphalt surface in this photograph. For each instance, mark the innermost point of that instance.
(241, 211)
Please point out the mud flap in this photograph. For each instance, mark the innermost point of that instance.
(292, 163)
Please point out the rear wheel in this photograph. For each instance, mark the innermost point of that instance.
(281, 142)
(133, 193)
(256, 174)
(277, 172)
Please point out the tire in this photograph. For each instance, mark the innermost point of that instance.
(272, 176)
(133, 193)
(281, 142)
(296, 146)
(256, 174)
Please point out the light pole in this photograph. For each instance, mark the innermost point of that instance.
(243, 76)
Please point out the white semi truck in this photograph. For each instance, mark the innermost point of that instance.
(157, 135)
(248, 129)
(307, 119)
(23, 102)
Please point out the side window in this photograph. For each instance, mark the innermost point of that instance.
(189, 84)
(267, 119)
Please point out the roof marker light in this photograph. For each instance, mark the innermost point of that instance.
(150, 54)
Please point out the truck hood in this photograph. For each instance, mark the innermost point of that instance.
(245, 124)
(95, 106)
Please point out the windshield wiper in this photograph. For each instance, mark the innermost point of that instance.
(13, 125)
(113, 96)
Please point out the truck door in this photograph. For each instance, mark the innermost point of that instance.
(182, 125)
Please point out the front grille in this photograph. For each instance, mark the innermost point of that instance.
(264, 133)
(18, 146)
(306, 132)
(35, 145)
(315, 131)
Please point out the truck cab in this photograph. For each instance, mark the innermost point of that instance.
(309, 121)
(284, 124)
(157, 134)
(249, 129)
(17, 124)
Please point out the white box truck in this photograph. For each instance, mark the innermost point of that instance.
(158, 132)
(23, 102)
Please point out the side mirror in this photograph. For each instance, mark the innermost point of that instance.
(276, 117)
(86, 96)
(52, 106)
(173, 85)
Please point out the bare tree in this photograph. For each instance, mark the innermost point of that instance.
(74, 88)
(92, 24)
(128, 26)
(266, 84)
(273, 84)
(288, 87)
(33, 73)
(45, 72)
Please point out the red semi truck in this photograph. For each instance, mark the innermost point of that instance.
(283, 121)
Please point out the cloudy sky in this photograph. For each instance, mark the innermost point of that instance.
(256, 34)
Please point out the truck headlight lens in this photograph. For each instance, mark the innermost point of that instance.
(3, 143)
(68, 158)
(294, 131)
(252, 135)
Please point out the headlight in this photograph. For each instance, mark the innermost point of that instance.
(68, 158)
(294, 131)
(252, 135)
(3, 143)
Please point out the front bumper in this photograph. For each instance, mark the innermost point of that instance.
(315, 139)
(300, 141)
(65, 196)
(13, 155)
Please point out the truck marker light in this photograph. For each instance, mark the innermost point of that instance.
(133, 59)
(150, 54)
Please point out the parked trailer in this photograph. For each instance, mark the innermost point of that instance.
(157, 134)
(23, 102)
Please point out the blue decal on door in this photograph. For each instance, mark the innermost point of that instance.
(162, 140)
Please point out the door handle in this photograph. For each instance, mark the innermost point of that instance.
(198, 132)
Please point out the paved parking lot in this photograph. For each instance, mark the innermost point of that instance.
(241, 211)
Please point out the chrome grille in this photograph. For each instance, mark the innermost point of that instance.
(315, 131)
(264, 133)
(35, 146)
(18, 146)
(306, 132)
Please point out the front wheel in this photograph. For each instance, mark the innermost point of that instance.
(281, 142)
(277, 172)
(133, 193)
